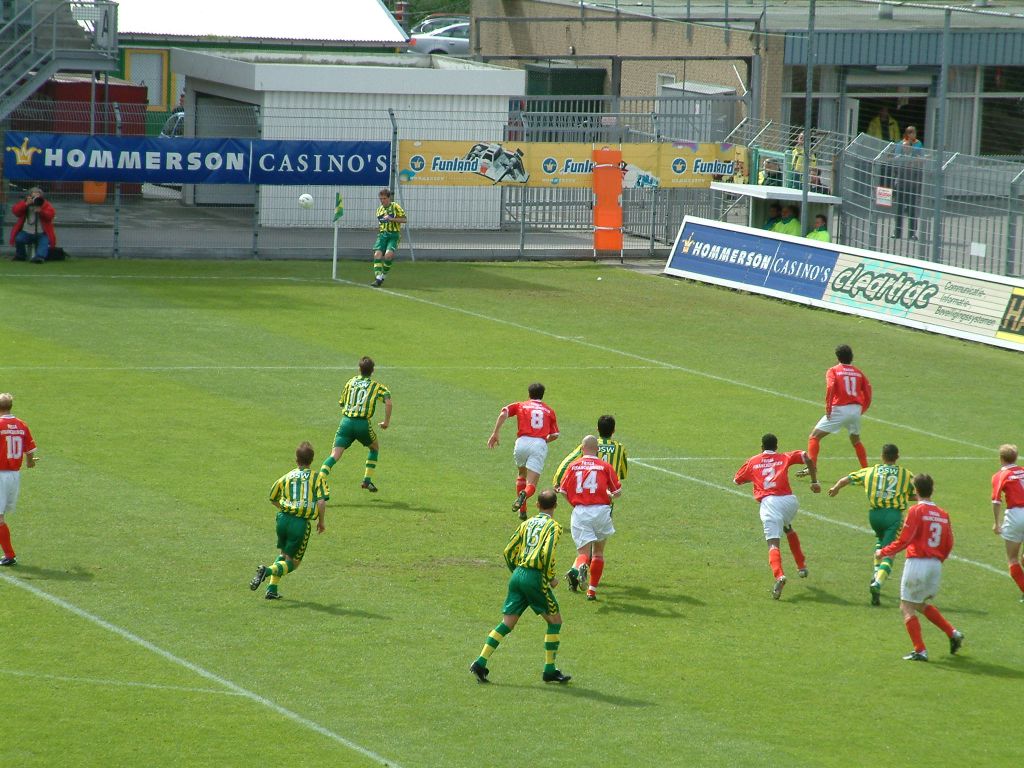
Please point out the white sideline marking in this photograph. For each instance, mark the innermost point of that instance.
(329, 367)
(650, 360)
(232, 687)
(117, 683)
(746, 495)
(741, 459)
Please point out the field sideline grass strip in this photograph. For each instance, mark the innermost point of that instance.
(803, 511)
(649, 360)
(118, 683)
(230, 686)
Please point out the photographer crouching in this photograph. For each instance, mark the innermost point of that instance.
(34, 226)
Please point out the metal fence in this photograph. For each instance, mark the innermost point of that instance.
(953, 209)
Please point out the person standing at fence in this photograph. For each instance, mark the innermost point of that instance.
(33, 227)
(390, 218)
(909, 155)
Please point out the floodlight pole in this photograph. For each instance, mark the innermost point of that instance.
(940, 143)
(808, 111)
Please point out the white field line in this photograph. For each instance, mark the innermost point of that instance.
(118, 683)
(648, 360)
(317, 368)
(803, 511)
(195, 668)
(741, 459)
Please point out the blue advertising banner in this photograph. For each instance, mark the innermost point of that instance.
(739, 257)
(74, 157)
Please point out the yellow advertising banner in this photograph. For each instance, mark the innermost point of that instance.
(540, 164)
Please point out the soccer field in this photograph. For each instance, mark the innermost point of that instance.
(166, 397)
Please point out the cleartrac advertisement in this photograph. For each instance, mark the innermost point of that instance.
(540, 164)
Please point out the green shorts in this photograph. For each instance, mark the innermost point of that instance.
(886, 523)
(527, 587)
(293, 534)
(351, 430)
(387, 241)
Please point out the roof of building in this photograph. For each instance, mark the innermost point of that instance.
(365, 22)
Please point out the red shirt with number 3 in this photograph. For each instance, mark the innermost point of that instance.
(926, 533)
(589, 481)
(535, 419)
(769, 472)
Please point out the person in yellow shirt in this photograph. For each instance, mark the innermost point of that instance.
(820, 231)
(789, 224)
(884, 127)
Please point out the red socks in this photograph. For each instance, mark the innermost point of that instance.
(775, 561)
(581, 560)
(794, 547)
(5, 540)
(813, 446)
(914, 630)
(1017, 574)
(530, 490)
(862, 454)
(935, 617)
(596, 569)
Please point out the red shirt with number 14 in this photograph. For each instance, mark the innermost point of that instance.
(589, 481)
(535, 419)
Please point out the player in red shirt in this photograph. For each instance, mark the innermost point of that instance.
(537, 427)
(928, 538)
(1008, 482)
(769, 472)
(847, 397)
(590, 484)
(16, 444)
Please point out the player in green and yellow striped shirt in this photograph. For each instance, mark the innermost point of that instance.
(614, 453)
(358, 403)
(530, 555)
(889, 489)
(299, 496)
(391, 216)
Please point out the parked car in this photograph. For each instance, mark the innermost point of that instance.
(436, 21)
(453, 39)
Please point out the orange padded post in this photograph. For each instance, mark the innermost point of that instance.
(607, 177)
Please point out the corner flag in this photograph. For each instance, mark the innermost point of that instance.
(339, 206)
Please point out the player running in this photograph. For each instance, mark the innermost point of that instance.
(769, 472)
(928, 538)
(537, 427)
(1008, 483)
(890, 489)
(847, 398)
(608, 450)
(589, 484)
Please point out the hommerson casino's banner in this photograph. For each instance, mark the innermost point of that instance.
(541, 164)
(73, 157)
(948, 300)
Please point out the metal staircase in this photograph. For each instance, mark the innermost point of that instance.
(40, 38)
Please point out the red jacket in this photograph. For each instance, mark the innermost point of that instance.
(46, 214)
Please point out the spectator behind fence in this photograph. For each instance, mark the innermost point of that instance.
(883, 126)
(909, 160)
(789, 224)
(34, 226)
(820, 231)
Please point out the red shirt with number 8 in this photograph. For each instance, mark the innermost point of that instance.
(535, 419)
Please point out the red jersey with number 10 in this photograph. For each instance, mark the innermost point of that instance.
(15, 442)
(535, 419)
(1010, 481)
(589, 481)
(846, 385)
(926, 533)
(769, 472)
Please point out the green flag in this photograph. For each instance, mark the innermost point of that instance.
(339, 206)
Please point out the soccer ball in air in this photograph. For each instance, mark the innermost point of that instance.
(305, 200)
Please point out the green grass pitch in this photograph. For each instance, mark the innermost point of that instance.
(166, 397)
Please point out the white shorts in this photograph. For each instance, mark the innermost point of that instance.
(776, 513)
(531, 452)
(10, 484)
(1013, 525)
(842, 416)
(591, 523)
(921, 579)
